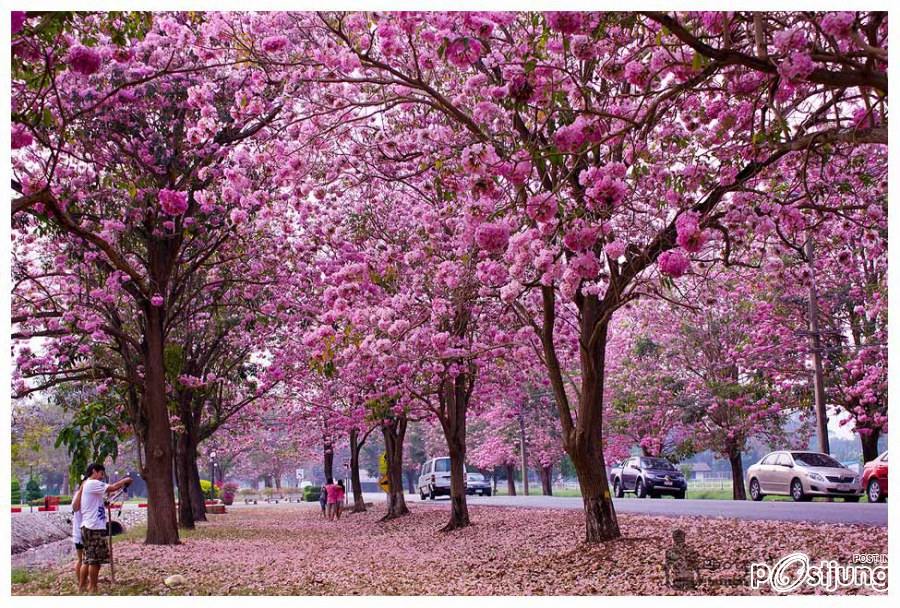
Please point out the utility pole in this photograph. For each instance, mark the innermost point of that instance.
(522, 450)
(816, 343)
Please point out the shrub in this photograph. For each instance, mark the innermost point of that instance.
(228, 491)
(15, 493)
(33, 490)
(247, 492)
(311, 493)
(209, 492)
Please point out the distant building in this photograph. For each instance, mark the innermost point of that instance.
(698, 471)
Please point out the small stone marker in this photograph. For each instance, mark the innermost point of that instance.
(176, 580)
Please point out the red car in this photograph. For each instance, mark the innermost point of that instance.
(875, 479)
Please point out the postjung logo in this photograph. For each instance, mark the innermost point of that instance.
(796, 572)
(686, 570)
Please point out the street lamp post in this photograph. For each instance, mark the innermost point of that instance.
(212, 473)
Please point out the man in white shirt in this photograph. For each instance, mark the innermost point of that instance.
(91, 500)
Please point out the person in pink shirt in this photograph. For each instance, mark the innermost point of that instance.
(331, 492)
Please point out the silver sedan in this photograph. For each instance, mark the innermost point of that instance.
(802, 475)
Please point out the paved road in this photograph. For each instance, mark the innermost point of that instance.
(833, 512)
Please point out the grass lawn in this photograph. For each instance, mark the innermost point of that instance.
(293, 551)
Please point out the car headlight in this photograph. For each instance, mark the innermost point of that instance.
(815, 476)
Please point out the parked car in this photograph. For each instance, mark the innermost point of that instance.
(434, 478)
(614, 471)
(802, 475)
(647, 476)
(477, 484)
(875, 478)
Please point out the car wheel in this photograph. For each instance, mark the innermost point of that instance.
(422, 495)
(873, 491)
(617, 489)
(679, 495)
(487, 493)
(755, 491)
(797, 491)
(431, 493)
(639, 490)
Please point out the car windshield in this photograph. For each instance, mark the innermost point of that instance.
(442, 465)
(657, 463)
(476, 476)
(815, 460)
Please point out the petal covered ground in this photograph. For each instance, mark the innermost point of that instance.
(291, 550)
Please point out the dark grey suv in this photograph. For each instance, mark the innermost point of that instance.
(647, 476)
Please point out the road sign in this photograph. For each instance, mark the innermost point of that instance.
(300, 474)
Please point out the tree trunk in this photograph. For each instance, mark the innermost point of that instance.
(869, 443)
(523, 452)
(511, 479)
(277, 482)
(198, 502)
(459, 509)
(585, 444)
(328, 461)
(455, 395)
(162, 524)
(411, 478)
(546, 480)
(359, 503)
(738, 491)
(394, 432)
(183, 480)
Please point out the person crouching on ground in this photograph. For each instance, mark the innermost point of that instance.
(339, 499)
(93, 494)
(323, 499)
(76, 533)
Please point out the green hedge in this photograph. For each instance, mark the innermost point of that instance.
(15, 493)
(311, 493)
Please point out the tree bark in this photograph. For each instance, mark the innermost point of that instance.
(198, 502)
(511, 479)
(869, 443)
(455, 395)
(585, 444)
(546, 480)
(183, 480)
(738, 491)
(328, 461)
(162, 523)
(459, 509)
(411, 478)
(394, 432)
(359, 503)
(523, 452)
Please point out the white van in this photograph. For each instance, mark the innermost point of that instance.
(434, 478)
